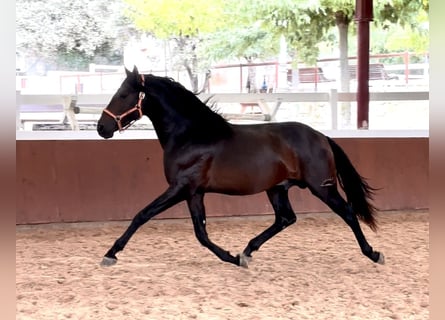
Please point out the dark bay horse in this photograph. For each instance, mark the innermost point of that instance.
(204, 153)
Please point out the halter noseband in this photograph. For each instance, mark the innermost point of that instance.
(138, 107)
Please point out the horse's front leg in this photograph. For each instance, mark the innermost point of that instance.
(170, 197)
(197, 211)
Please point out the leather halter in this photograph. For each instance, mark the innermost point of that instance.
(138, 107)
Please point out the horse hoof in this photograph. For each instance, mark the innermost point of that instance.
(381, 258)
(107, 262)
(244, 260)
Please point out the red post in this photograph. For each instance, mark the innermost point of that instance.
(406, 61)
(363, 15)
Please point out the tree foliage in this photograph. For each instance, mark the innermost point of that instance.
(165, 18)
(303, 24)
(402, 12)
(83, 30)
(58, 31)
(397, 38)
(248, 42)
(306, 24)
(185, 23)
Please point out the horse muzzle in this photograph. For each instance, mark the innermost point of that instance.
(103, 132)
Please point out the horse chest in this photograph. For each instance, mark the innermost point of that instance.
(187, 167)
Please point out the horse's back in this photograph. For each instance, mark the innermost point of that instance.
(300, 137)
(257, 157)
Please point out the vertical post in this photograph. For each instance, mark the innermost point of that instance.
(363, 15)
(406, 61)
(316, 77)
(240, 78)
(333, 100)
(101, 82)
(282, 85)
(68, 110)
(276, 75)
(18, 122)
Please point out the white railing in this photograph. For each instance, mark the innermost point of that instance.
(70, 110)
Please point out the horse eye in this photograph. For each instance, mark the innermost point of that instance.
(122, 94)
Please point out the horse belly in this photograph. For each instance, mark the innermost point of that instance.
(247, 177)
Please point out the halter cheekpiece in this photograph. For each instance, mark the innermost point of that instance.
(138, 107)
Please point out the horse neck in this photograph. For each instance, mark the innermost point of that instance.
(167, 122)
(164, 130)
(174, 127)
(180, 116)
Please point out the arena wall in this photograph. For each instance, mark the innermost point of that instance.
(103, 180)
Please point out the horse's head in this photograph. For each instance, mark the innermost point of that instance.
(125, 106)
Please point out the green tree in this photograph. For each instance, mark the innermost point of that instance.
(245, 38)
(249, 42)
(183, 22)
(307, 23)
(400, 38)
(71, 33)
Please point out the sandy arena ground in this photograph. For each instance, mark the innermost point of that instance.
(312, 270)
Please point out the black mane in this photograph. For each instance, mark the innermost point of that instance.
(195, 117)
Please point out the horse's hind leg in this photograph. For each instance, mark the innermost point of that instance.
(334, 200)
(284, 217)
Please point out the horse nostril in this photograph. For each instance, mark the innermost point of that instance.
(100, 129)
(103, 132)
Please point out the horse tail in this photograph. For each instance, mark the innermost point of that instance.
(357, 190)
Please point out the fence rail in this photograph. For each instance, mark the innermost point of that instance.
(67, 108)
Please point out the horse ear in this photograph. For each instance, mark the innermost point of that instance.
(133, 76)
(135, 71)
(128, 72)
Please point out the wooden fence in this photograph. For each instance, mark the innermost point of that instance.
(98, 180)
(65, 109)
